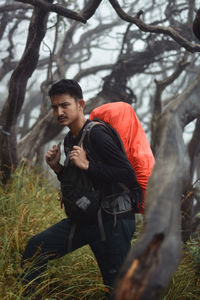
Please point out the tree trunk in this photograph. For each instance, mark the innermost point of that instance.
(152, 261)
(17, 88)
(42, 132)
(188, 200)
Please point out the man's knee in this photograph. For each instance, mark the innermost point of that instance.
(33, 246)
(35, 241)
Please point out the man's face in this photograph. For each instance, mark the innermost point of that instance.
(66, 110)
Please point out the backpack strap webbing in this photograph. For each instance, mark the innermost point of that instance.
(86, 130)
(71, 235)
(100, 224)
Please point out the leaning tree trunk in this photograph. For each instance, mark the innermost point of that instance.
(189, 210)
(17, 88)
(152, 261)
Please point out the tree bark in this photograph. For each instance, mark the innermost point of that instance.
(152, 261)
(188, 210)
(38, 136)
(17, 88)
(157, 103)
(59, 9)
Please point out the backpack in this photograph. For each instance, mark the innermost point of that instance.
(81, 200)
(121, 116)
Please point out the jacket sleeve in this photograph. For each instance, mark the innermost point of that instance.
(60, 174)
(113, 165)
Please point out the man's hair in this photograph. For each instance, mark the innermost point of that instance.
(66, 86)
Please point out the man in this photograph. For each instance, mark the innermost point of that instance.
(111, 168)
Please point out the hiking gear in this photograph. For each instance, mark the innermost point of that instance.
(129, 199)
(82, 202)
(80, 199)
(122, 118)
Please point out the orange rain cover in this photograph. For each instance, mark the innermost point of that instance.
(121, 116)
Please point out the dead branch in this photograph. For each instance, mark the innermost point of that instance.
(88, 11)
(160, 87)
(196, 25)
(14, 7)
(155, 29)
(92, 70)
(3, 23)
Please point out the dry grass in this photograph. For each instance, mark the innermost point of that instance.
(185, 284)
(28, 205)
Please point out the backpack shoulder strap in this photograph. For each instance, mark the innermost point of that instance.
(116, 138)
(115, 135)
(86, 131)
(67, 148)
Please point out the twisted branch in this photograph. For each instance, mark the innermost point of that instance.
(155, 29)
(59, 9)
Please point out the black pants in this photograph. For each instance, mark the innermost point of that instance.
(53, 243)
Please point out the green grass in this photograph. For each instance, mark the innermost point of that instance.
(28, 205)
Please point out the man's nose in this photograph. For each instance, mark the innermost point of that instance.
(60, 110)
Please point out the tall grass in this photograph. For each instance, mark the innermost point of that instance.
(28, 205)
(185, 283)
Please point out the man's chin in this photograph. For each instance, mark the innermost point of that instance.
(63, 122)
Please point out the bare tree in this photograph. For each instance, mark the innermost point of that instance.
(167, 43)
(20, 76)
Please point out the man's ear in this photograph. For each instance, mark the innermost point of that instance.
(81, 103)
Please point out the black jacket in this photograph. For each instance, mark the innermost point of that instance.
(108, 165)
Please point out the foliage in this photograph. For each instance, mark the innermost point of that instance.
(28, 205)
(193, 247)
(185, 284)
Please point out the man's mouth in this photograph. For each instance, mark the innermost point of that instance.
(60, 119)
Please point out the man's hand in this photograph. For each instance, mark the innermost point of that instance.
(78, 157)
(53, 158)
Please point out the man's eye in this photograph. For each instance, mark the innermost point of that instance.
(64, 105)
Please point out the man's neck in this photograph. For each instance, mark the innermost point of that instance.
(76, 128)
